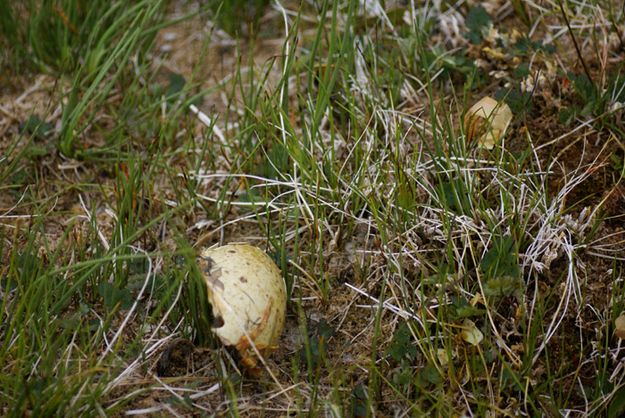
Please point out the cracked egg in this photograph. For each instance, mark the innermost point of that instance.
(248, 298)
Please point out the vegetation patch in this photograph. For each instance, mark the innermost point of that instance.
(440, 184)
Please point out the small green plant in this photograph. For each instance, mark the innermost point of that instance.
(592, 102)
(402, 348)
(38, 128)
(520, 102)
(113, 297)
(39, 133)
(478, 21)
(403, 353)
(314, 352)
(500, 267)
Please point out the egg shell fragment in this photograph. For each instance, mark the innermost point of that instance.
(470, 333)
(248, 298)
(487, 121)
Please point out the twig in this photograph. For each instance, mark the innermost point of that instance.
(579, 53)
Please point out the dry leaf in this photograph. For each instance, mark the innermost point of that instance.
(470, 333)
(494, 53)
(487, 121)
(477, 299)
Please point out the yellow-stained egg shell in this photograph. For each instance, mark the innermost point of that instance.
(248, 298)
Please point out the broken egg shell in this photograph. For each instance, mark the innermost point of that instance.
(248, 298)
(487, 121)
(470, 333)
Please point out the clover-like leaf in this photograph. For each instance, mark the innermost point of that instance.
(477, 21)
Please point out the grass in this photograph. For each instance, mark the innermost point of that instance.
(427, 276)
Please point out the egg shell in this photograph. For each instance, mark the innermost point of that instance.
(247, 295)
(487, 121)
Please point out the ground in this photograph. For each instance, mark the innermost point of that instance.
(427, 274)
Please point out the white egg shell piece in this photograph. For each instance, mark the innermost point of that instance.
(490, 115)
(247, 294)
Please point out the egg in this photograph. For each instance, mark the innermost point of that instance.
(248, 298)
